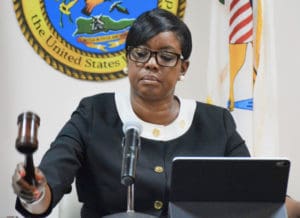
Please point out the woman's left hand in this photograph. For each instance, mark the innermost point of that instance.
(293, 207)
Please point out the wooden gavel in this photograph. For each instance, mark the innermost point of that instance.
(27, 142)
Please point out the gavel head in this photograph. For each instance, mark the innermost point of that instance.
(28, 124)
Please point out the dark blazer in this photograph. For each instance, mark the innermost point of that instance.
(88, 148)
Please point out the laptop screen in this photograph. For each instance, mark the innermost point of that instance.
(229, 179)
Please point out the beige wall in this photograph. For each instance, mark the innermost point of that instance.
(28, 83)
(288, 62)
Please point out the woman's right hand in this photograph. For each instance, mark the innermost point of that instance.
(25, 191)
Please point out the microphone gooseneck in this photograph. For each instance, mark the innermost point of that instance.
(131, 146)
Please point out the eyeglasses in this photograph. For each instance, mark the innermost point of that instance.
(162, 57)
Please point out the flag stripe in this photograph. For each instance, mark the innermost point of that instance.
(239, 26)
(242, 17)
(240, 11)
(239, 34)
(239, 4)
(240, 22)
(233, 3)
(245, 37)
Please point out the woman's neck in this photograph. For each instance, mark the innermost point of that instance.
(162, 112)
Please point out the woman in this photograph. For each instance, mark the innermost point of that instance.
(88, 147)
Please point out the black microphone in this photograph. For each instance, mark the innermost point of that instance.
(131, 146)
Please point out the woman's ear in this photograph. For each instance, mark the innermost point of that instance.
(184, 66)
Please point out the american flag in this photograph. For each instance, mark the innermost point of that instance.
(241, 22)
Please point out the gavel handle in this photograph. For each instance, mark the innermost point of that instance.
(29, 168)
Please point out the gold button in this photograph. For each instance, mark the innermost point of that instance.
(158, 205)
(159, 169)
(156, 132)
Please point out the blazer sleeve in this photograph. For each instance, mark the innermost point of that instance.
(65, 156)
(235, 145)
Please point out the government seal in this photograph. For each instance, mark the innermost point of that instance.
(84, 39)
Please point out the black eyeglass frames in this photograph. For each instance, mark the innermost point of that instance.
(163, 58)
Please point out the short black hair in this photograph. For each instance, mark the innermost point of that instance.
(155, 21)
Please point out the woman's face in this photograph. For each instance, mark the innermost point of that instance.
(149, 80)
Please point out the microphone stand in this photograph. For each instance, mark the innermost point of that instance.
(130, 213)
(128, 180)
(130, 198)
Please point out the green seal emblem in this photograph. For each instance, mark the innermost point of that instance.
(84, 39)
